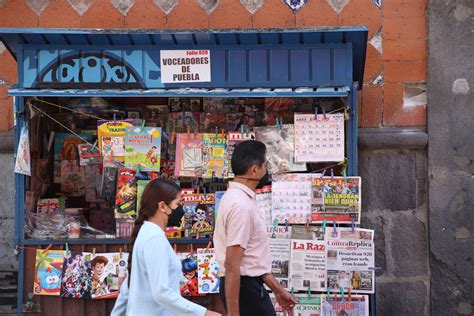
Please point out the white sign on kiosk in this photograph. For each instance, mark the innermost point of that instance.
(178, 66)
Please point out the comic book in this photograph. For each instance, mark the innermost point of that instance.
(108, 272)
(336, 199)
(143, 148)
(72, 178)
(66, 147)
(189, 283)
(76, 276)
(213, 156)
(126, 197)
(198, 214)
(208, 271)
(141, 184)
(356, 305)
(112, 129)
(50, 206)
(280, 148)
(189, 155)
(89, 156)
(233, 139)
(48, 270)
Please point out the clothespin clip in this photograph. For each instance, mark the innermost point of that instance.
(342, 293)
(323, 174)
(324, 112)
(334, 233)
(315, 113)
(217, 132)
(67, 254)
(195, 130)
(173, 135)
(205, 194)
(278, 124)
(208, 246)
(121, 253)
(309, 293)
(143, 126)
(125, 248)
(138, 168)
(115, 118)
(292, 291)
(94, 145)
(306, 225)
(332, 173)
(247, 130)
(328, 298)
(345, 174)
(353, 225)
(275, 224)
(350, 296)
(324, 226)
(242, 130)
(286, 224)
(197, 235)
(191, 248)
(93, 251)
(346, 114)
(175, 247)
(188, 128)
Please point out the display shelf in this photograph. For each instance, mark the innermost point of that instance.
(105, 241)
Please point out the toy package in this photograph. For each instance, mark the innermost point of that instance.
(108, 272)
(208, 271)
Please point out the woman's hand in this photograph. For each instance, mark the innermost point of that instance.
(211, 313)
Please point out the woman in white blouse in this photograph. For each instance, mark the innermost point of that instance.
(154, 268)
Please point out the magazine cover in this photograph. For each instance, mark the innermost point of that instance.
(23, 157)
(208, 271)
(93, 178)
(156, 115)
(48, 270)
(198, 214)
(189, 155)
(50, 206)
(280, 252)
(76, 276)
(350, 265)
(108, 184)
(126, 197)
(213, 156)
(234, 138)
(113, 150)
(208, 121)
(189, 283)
(66, 147)
(108, 272)
(143, 148)
(141, 185)
(280, 148)
(72, 178)
(89, 156)
(334, 199)
(167, 169)
(180, 121)
(306, 306)
(358, 305)
(112, 129)
(308, 265)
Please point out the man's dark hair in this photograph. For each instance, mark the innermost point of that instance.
(247, 154)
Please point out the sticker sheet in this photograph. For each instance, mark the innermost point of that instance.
(208, 271)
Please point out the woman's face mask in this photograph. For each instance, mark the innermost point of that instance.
(174, 219)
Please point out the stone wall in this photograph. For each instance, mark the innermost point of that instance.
(451, 156)
(393, 166)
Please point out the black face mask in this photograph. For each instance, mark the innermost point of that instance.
(265, 180)
(174, 220)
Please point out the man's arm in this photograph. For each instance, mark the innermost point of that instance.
(233, 259)
(285, 300)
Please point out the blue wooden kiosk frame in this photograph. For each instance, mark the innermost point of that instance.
(313, 62)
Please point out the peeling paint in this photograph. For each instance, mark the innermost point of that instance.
(378, 80)
(80, 6)
(378, 3)
(338, 5)
(462, 233)
(2, 48)
(462, 13)
(2, 2)
(166, 5)
(460, 86)
(464, 308)
(38, 6)
(123, 5)
(208, 5)
(252, 5)
(376, 41)
(414, 94)
(295, 5)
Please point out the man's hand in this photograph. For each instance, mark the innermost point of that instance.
(286, 301)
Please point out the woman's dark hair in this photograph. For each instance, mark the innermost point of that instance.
(246, 154)
(156, 191)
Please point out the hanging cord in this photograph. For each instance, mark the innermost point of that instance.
(54, 120)
(68, 109)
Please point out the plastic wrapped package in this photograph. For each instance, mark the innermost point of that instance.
(60, 226)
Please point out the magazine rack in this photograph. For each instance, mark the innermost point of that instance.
(316, 63)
